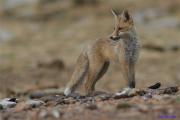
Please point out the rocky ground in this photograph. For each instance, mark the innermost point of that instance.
(40, 41)
(148, 103)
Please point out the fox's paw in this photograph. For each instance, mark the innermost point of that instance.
(127, 92)
(67, 91)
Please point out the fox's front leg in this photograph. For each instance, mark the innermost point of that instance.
(128, 70)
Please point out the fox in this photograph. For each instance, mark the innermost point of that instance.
(122, 45)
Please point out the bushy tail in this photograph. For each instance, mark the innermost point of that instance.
(79, 73)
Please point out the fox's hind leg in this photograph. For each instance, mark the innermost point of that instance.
(79, 74)
(101, 73)
(97, 68)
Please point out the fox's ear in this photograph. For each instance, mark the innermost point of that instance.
(113, 12)
(115, 16)
(125, 15)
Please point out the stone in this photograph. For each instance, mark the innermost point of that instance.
(55, 113)
(170, 90)
(8, 103)
(34, 103)
(155, 86)
(50, 113)
(147, 96)
(91, 106)
(43, 113)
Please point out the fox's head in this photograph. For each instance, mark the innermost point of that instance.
(123, 23)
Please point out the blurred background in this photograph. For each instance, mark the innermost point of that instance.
(40, 41)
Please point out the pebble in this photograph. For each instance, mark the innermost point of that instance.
(170, 90)
(155, 86)
(55, 113)
(8, 103)
(34, 103)
(147, 96)
(91, 106)
(50, 113)
(43, 114)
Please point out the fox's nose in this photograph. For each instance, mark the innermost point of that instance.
(113, 37)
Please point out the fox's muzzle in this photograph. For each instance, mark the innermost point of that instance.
(115, 37)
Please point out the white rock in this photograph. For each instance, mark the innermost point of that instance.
(6, 103)
(55, 113)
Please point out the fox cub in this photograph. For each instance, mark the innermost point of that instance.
(93, 62)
